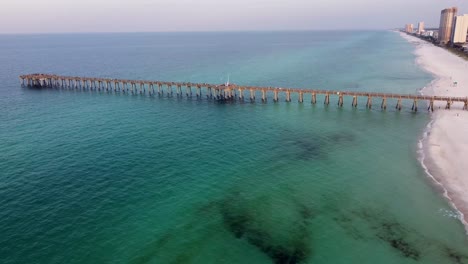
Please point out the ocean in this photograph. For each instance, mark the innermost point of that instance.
(92, 177)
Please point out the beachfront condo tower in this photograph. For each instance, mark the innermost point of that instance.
(460, 29)
(446, 24)
(420, 28)
(409, 28)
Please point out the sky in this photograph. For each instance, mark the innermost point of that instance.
(69, 16)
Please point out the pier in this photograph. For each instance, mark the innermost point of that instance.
(231, 92)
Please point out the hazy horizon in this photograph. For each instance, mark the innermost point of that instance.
(140, 16)
(198, 31)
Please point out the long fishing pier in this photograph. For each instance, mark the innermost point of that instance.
(227, 92)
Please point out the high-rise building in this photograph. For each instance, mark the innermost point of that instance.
(460, 29)
(446, 24)
(409, 28)
(420, 28)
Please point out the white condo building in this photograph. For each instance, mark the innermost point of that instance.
(460, 29)
(409, 28)
(420, 28)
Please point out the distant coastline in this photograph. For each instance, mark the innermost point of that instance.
(455, 50)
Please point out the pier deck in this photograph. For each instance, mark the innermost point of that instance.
(229, 92)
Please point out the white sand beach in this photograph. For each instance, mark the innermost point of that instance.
(446, 146)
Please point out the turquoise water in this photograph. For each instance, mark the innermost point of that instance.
(89, 177)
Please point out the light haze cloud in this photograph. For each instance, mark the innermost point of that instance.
(53, 16)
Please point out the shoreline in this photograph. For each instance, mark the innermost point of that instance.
(444, 142)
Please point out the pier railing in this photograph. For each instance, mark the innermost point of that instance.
(227, 92)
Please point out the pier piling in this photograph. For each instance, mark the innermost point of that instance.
(199, 91)
(241, 94)
(449, 104)
(431, 106)
(383, 106)
(327, 99)
(354, 103)
(369, 102)
(415, 105)
(398, 105)
(252, 95)
(340, 100)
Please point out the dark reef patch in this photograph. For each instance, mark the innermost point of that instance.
(305, 211)
(346, 223)
(343, 137)
(317, 146)
(309, 145)
(245, 222)
(390, 231)
(396, 236)
(407, 241)
(309, 149)
(404, 247)
(280, 230)
(455, 257)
